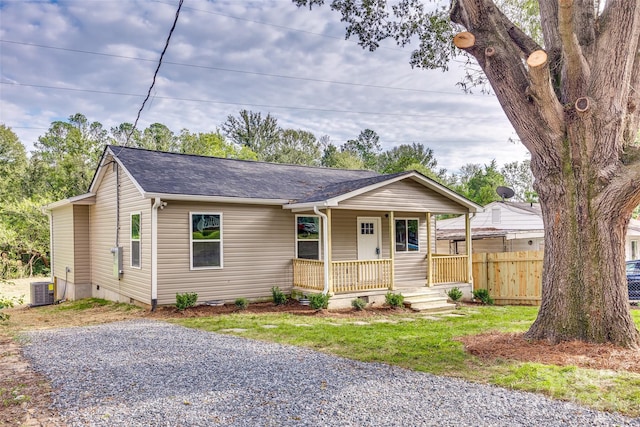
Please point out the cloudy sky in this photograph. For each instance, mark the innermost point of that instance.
(97, 57)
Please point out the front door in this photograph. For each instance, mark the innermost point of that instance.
(369, 242)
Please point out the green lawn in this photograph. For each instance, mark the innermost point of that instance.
(413, 342)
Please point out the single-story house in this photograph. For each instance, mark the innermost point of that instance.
(506, 226)
(154, 224)
(502, 226)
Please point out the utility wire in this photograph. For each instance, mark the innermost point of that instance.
(244, 104)
(231, 70)
(155, 74)
(284, 27)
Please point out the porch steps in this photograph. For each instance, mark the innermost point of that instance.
(427, 301)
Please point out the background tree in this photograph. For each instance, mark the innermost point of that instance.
(575, 107)
(252, 130)
(479, 183)
(156, 137)
(332, 157)
(212, 144)
(66, 156)
(518, 177)
(24, 234)
(13, 165)
(123, 135)
(399, 158)
(366, 147)
(296, 147)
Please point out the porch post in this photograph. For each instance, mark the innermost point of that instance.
(467, 226)
(429, 252)
(328, 252)
(392, 249)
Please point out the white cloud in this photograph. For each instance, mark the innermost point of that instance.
(459, 128)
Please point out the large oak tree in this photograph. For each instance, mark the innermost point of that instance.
(574, 102)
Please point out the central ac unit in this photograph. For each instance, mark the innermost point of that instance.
(41, 293)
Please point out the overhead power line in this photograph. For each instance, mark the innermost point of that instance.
(245, 104)
(231, 70)
(155, 74)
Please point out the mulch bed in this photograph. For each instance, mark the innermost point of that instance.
(513, 346)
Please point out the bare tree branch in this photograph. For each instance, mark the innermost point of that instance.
(542, 91)
(576, 69)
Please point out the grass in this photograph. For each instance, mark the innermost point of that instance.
(430, 346)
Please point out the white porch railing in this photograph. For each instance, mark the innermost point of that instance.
(348, 276)
(450, 268)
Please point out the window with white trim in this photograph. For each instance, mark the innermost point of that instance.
(205, 235)
(407, 235)
(308, 236)
(134, 241)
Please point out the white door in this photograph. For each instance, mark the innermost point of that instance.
(369, 238)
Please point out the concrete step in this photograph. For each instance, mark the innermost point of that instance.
(428, 301)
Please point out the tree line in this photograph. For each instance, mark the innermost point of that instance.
(67, 154)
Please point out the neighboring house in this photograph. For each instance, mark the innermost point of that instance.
(154, 224)
(509, 227)
(500, 227)
(632, 243)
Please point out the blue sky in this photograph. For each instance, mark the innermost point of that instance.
(266, 56)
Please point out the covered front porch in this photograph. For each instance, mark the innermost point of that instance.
(398, 256)
(378, 235)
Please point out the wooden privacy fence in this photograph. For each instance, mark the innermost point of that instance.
(510, 277)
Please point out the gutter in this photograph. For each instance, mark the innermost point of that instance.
(325, 247)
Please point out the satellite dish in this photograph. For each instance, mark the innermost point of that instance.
(505, 192)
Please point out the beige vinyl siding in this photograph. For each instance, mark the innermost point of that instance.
(409, 266)
(82, 261)
(258, 244)
(135, 283)
(138, 280)
(63, 247)
(412, 266)
(344, 233)
(405, 195)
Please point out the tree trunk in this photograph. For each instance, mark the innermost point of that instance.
(584, 287)
(574, 105)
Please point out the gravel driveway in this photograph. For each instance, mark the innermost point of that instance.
(147, 373)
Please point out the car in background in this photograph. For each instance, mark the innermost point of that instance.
(633, 279)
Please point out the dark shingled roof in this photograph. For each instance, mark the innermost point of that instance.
(172, 173)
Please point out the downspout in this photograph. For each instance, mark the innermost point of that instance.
(115, 165)
(157, 203)
(325, 247)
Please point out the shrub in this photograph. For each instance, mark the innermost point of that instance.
(186, 300)
(318, 301)
(279, 298)
(241, 303)
(483, 296)
(454, 294)
(359, 304)
(394, 300)
(6, 302)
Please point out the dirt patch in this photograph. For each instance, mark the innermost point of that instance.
(513, 346)
(25, 396)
